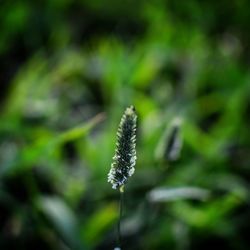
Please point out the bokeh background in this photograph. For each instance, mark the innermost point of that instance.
(68, 70)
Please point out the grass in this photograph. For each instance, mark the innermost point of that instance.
(75, 63)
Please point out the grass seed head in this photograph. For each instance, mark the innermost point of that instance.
(123, 165)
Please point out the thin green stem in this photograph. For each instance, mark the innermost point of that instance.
(120, 217)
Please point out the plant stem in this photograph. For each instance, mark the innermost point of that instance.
(120, 215)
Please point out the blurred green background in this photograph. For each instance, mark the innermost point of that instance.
(69, 68)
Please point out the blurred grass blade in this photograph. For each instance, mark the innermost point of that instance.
(81, 130)
(173, 194)
(95, 227)
(62, 219)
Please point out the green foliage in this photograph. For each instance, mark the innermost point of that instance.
(67, 65)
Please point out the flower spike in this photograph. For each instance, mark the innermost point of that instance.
(125, 154)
